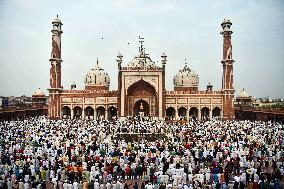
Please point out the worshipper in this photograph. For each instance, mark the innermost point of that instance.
(89, 153)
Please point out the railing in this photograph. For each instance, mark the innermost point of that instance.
(91, 91)
(192, 92)
(141, 69)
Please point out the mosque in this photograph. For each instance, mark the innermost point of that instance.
(141, 88)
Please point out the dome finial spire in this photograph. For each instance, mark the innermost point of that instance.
(97, 61)
(141, 49)
(185, 64)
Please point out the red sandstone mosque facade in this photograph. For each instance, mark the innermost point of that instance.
(141, 88)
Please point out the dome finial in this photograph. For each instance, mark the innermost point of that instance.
(97, 61)
(141, 49)
(185, 64)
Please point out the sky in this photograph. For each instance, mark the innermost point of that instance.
(182, 29)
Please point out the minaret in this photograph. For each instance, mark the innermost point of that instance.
(164, 62)
(55, 71)
(227, 79)
(119, 62)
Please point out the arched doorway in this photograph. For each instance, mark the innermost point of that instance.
(216, 112)
(182, 112)
(170, 112)
(193, 113)
(66, 112)
(77, 112)
(112, 111)
(89, 112)
(141, 107)
(101, 111)
(146, 92)
(205, 113)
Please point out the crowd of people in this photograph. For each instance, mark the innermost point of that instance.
(39, 153)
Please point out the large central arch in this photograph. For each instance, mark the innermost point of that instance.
(142, 90)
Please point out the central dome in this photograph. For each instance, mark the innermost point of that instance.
(97, 79)
(38, 92)
(186, 80)
(243, 94)
(142, 60)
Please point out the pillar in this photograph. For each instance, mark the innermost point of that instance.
(210, 113)
(83, 112)
(95, 114)
(106, 113)
(199, 114)
(72, 113)
(176, 116)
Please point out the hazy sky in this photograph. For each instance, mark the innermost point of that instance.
(181, 29)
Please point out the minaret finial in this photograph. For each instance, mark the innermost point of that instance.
(97, 61)
(57, 15)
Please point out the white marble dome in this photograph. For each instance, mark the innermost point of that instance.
(38, 92)
(97, 77)
(142, 61)
(243, 94)
(186, 78)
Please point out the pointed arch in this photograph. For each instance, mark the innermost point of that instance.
(77, 112)
(100, 111)
(89, 112)
(170, 112)
(182, 112)
(216, 112)
(66, 112)
(193, 112)
(205, 113)
(112, 111)
(141, 88)
(141, 106)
